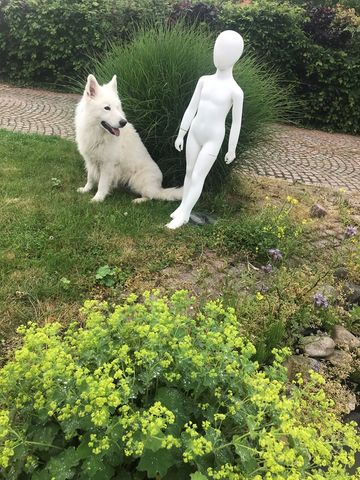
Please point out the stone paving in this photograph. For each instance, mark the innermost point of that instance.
(294, 154)
(37, 111)
(308, 156)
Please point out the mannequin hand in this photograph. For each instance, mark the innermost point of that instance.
(179, 144)
(229, 157)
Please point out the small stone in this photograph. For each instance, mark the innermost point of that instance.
(344, 338)
(317, 346)
(317, 211)
(352, 293)
(341, 273)
(339, 358)
(351, 404)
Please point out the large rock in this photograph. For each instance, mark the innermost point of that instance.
(317, 346)
(344, 338)
(301, 364)
(339, 358)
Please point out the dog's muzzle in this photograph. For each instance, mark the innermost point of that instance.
(114, 130)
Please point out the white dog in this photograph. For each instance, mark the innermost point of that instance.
(112, 149)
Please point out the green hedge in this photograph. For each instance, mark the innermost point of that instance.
(324, 70)
(50, 41)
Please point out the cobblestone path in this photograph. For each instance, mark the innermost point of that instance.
(37, 111)
(308, 156)
(295, 154)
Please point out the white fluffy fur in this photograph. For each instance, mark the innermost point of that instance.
(113, 160)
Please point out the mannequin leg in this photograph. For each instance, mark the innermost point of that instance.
(205, 161)
(192, 151)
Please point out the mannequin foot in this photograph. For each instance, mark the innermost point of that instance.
(176, 212)
(177, 222)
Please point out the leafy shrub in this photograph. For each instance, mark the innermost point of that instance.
(50, 40)
(157, 73)
(193, 13)
(353, 4)
(316, 49)
(152, 388)
(320, 27)
(272, 31)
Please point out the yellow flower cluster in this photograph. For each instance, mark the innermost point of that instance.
(150, 423)
(292, 200)
(153, 376)
(196, 444)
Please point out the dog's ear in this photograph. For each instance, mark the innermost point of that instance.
(92, 86)
(113, 83)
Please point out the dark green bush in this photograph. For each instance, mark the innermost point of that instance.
(157, 73)
(158, 389)
(49, 41)
(272, 31)
(195, 13)
(317, 49)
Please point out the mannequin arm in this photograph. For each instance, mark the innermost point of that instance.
(238, 100)
(189, 115)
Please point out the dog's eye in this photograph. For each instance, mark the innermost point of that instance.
(107, 108)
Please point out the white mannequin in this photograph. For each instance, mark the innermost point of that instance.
(205, 116)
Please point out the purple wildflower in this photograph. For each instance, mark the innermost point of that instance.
(350, 231)
(316, 366)
(275, 254)
(267, 268)
(263, 288)
(320, 300)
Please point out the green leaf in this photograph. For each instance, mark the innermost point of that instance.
(154, 443)
(246, 454)
(94, 469)
(83, 451)
(176, 402)
(198, 476)
(62, 466)
(156, 463)
(104, 272)
(44, 435)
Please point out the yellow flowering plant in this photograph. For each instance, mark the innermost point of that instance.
(156, 388)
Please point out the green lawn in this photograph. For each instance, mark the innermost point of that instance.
(54, 241)
(51, 232)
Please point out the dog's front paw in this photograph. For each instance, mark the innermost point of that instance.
(97, 198)
(140, 200)
(83, 190)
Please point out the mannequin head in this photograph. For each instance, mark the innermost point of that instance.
(228, 49)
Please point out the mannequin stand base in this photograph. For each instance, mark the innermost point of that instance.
(201, 219)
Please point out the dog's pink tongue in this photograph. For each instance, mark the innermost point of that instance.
(116, 131)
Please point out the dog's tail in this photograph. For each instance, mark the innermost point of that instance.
(169, 194)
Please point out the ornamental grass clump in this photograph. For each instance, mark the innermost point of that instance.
(157, 74)
(152, 389)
